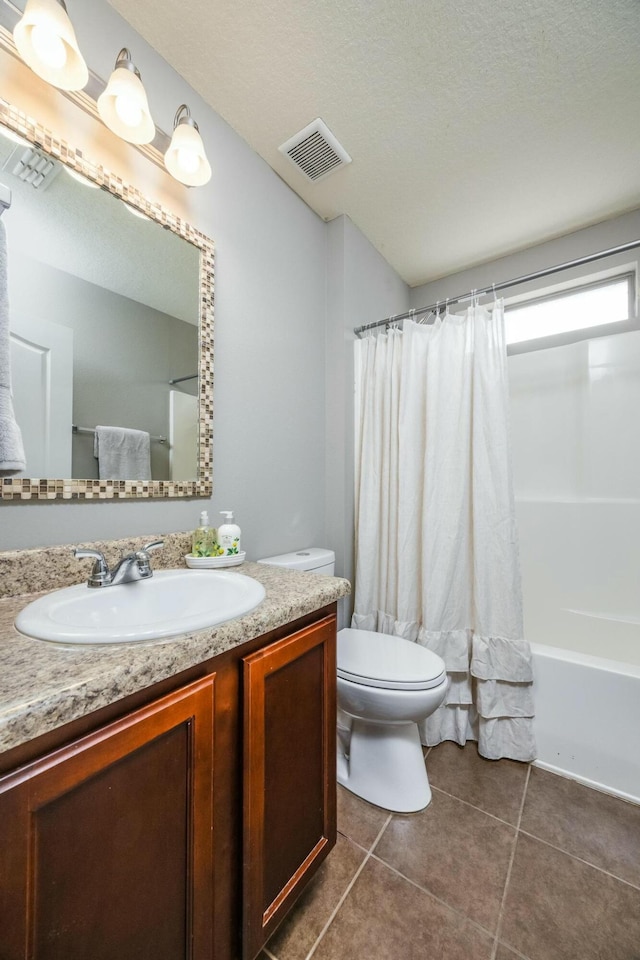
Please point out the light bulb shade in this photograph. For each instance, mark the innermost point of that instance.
(124, 108)
(185, 159)
(47, 43)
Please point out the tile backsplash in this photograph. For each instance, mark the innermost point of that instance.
(50, 568)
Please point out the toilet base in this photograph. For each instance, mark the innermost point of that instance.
(385, 765)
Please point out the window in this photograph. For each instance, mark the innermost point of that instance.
(608, 305)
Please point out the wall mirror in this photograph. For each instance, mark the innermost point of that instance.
(111, 324)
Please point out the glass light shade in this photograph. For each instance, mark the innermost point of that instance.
(185, 159)
(47, 43)
(124, 108)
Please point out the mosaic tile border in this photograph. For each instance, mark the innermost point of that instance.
(30, 488)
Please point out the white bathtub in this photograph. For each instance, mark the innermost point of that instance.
(588, 718)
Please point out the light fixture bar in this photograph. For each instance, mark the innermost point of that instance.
(85, 99)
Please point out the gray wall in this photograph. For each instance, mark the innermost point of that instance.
(361, 287)
(269, 394)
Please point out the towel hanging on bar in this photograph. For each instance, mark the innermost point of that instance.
(91, 430)
(122, 454)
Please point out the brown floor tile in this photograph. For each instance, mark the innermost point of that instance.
(299, 931)
(495, 786)
(504, 953)
(460, 854)
(357, 819)
(589, 824)
(386, 918)
(558, 908)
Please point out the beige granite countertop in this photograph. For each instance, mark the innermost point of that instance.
(44, 685)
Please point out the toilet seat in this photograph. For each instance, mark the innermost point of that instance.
(391, 663)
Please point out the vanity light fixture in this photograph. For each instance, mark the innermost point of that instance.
(81, 179)
(186, 159)
(14, 137)
(135, 212)
(123, 104)
(47, 43)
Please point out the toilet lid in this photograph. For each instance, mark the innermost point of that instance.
(380, 660)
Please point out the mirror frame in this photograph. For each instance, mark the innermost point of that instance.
(30, 488)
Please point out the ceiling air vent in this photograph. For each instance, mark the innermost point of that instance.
(32, 166)
(315, 151)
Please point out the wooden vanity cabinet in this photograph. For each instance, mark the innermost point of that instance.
(185, 829)
(106, 844)
(289, 774)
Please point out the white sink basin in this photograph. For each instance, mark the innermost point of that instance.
(168, 603)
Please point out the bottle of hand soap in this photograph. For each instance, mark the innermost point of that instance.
(204, 542)
(229, 535)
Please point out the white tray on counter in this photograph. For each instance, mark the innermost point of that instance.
(210, 563)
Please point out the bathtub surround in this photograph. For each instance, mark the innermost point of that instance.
(587, 719)
(12, 458)
(436, 540)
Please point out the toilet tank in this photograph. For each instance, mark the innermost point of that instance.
(311, 559)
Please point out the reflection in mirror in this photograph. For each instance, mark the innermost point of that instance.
(103, 315)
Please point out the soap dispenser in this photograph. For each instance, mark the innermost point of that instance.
(204, 541)
(229, 535)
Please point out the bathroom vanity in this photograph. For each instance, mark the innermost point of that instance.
(168, 800)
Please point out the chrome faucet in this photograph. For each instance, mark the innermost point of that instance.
(132, 567)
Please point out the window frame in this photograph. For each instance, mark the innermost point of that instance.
(628, 273)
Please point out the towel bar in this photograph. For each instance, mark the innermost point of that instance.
(77, 429)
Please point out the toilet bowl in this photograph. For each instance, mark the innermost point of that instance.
(386, 685)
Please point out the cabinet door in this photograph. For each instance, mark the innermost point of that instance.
(106, 844)
(289, 774)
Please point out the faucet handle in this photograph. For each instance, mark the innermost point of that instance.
(100, 573)
(142, 556)
(154, 545)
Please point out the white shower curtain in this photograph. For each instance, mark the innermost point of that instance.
(436, 541)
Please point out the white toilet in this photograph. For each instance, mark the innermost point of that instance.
(386, 685)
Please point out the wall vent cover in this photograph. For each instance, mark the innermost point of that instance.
(32, 166)
(315, 151)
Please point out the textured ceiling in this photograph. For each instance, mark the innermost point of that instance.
(476, 128)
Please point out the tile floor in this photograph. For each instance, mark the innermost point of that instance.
(507, 863)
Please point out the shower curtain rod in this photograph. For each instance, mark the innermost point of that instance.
(501, 286)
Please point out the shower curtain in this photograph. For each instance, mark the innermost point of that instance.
(436, 540)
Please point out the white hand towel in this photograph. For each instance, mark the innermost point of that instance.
(12, 458)
(123, 454)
